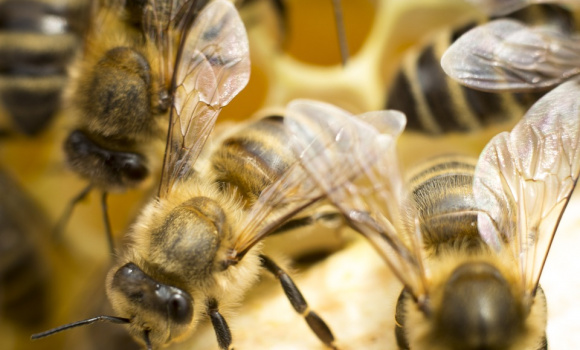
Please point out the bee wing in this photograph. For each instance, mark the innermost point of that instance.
(524, 180)
(213, 67)
(291, 193)
(163, 14)
(296, 189)
(353, 160)
(508, 55)
(164, 22)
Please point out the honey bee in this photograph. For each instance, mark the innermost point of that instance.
(121, 91)
(24, 271)
(195, 249)
(508, 55)
(467, 239)
(38, 40)
(436, 104)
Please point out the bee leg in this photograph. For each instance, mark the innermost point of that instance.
(147, 340)
(220, 326)
(61, 224)
(400, 317)
(299, 304)
(107, 222)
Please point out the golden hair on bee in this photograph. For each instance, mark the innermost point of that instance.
(112, 45)
(196, 247)
(518, 315)
(469, 252)
(120, 93)
(188, 265)
(225, 212)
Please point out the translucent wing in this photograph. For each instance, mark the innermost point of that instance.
(163, 14)
(508, 55)
(353, 160)
(279, 202)
(524, 180)
(213, 67)
(294, 191)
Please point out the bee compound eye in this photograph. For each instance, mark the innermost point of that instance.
(134, 168)
(180, 308)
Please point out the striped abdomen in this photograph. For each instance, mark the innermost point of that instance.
(254, 157)
(435, 104)
(441, 192)
(38, 39)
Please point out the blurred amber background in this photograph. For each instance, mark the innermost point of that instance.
(352, 289)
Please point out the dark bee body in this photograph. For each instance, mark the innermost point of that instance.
(460, 291)
(116, 100)
(477, 305)
(23, 271)
(435, 103)
(479, 310)
(119, 94)
(38, 39)
(116, 103)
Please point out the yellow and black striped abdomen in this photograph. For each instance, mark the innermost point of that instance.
(440, 191)
(254, 157)
(436, 104)
(38, 39)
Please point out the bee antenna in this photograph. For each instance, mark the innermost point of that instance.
(112, 319)
(147, 340)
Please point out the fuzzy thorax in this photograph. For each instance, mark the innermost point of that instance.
(476, 301)
(181, 241)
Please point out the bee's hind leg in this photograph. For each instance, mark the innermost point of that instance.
(317, 324)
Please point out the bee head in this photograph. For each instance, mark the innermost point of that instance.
(158, 313)
(102, 163)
